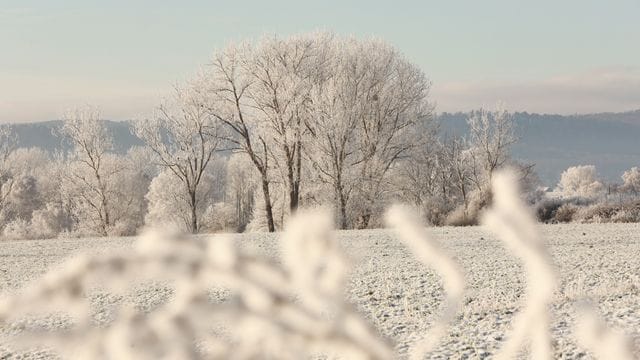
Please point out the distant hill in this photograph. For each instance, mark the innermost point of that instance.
(610, 141)
(44, 135)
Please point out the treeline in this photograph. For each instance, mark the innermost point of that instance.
(262, 130)
(581, 196)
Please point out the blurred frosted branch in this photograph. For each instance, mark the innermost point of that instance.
(516, 227)
(592, 334)
(427, 251)
(263, 318)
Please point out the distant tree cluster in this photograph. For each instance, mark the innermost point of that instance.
(581, 196)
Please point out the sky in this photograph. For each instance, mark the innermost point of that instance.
(548, 56)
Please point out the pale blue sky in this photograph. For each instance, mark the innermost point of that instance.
(547, 56)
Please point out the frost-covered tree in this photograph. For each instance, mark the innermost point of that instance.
(35, 206)
(184, 137)
(332, 149)
(457, 159)
(283, 73)
(492, 135)
(226, 85)
(395, 104)
(367, 108)
(169, 205)
(102, 191)
(7, 147)
(88, 175)
(123, 190)
(580, 181)
(8, 142)
(631, 181)
(19, 184)
(424, 177)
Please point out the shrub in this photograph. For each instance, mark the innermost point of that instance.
(461, 217)
(17, 229)
(49, 221)
(629, 213)
(565, 213)
(436, 210)
(605, 213)
(470, 215)
(547, 208)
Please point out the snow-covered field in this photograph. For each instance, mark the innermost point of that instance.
(402, 298)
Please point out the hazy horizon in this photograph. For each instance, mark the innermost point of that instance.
(563, 58)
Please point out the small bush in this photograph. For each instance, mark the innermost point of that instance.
(17, 229)
(49, 221)
(565, 213)
(435, 210)
(461, 217)
(546, 209)
(470, 215)
(629, 213)
(610, 213)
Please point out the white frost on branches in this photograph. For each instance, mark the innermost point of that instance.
(580, 181)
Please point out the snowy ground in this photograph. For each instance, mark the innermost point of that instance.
(399, 296)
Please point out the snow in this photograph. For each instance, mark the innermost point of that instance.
(600, 262)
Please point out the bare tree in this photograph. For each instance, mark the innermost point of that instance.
(366, 108)
(283, 73)
(8, 144)
(351, 106)
(91, 141)
(457, 157)
(492, 135)
(394, 104)
(184, 136)
(226, 98)
(332, 150)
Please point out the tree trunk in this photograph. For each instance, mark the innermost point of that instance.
(107, 219)
(194, 214)
(267, 203)
(104, 211)
(294, 196)
(343, 213)
(293, 176)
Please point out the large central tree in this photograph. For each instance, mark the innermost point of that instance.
(343, 107)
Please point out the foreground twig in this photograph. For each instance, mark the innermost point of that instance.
(427, 251)
(511, 221)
